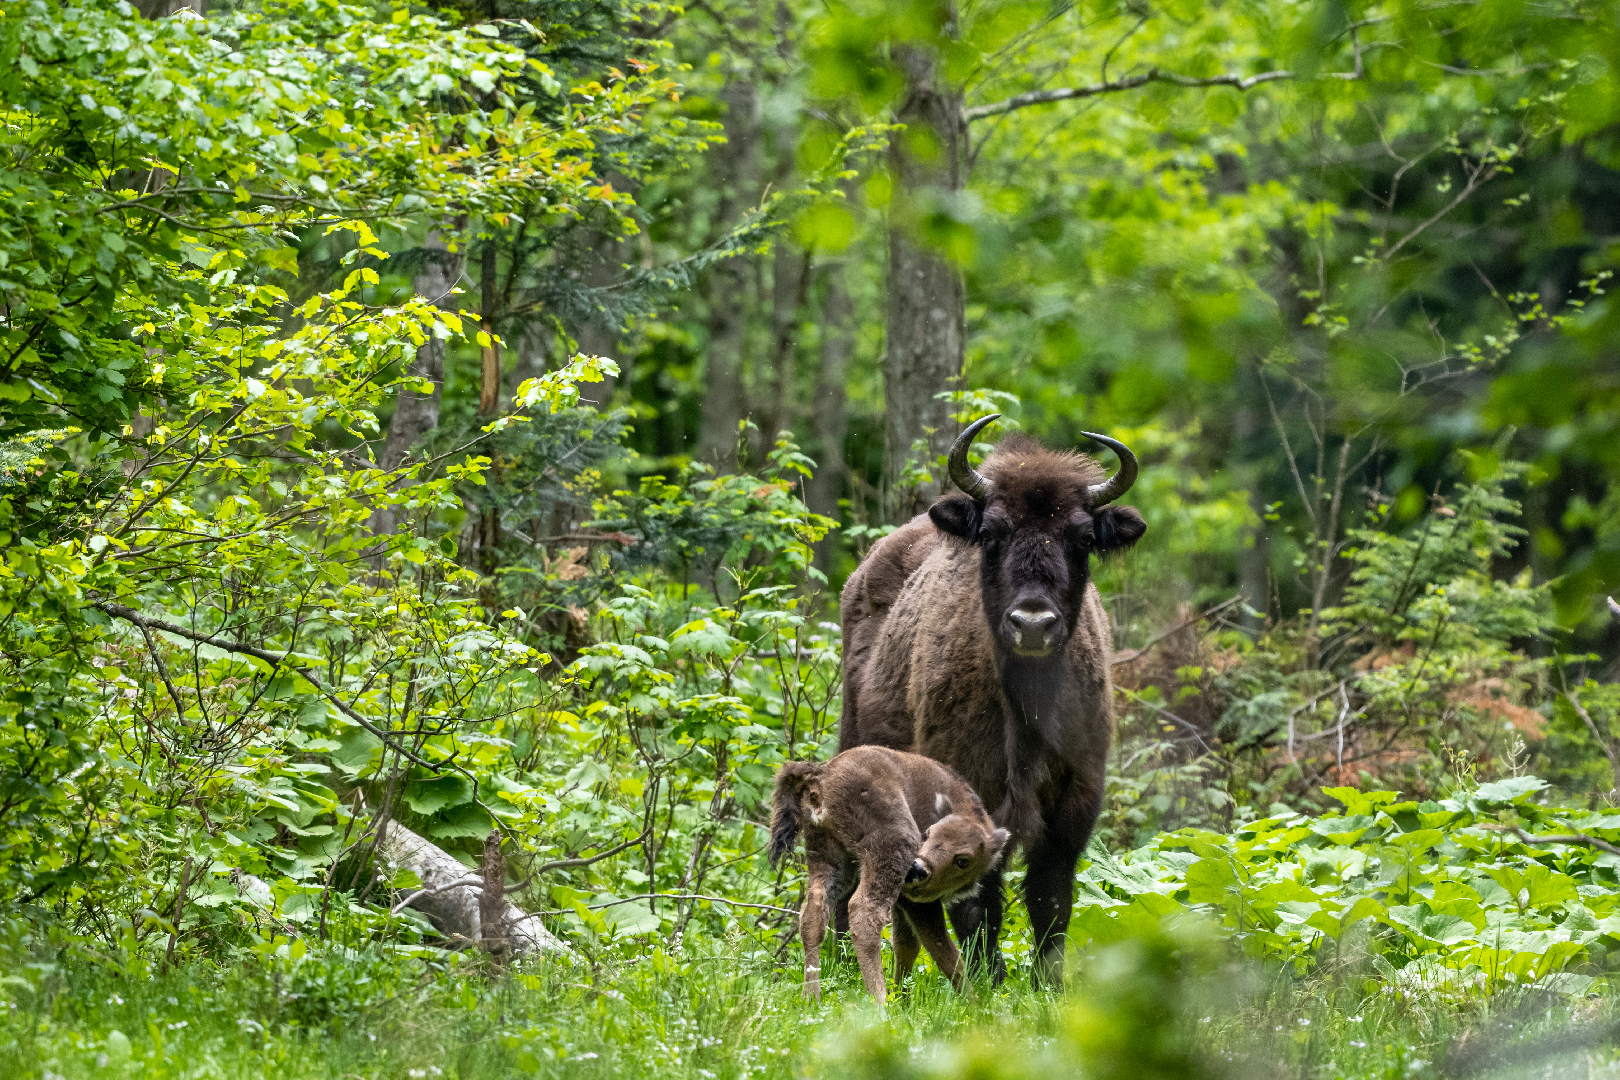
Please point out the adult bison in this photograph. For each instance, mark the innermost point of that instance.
(973, 634)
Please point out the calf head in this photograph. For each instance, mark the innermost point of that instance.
(1037, 517)
(957, 850)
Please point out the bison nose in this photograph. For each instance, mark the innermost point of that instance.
(917, 872)
(1031, 629)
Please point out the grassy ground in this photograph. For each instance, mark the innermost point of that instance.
(1134, 1012)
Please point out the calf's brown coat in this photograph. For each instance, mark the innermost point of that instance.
(919, 836)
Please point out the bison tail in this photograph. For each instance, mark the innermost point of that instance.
(790, 781)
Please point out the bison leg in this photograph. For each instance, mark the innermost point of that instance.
(927, 921)
(977, 921)
(849, 877)
(906, 946)
(1049, 889)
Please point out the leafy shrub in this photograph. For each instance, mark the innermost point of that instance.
(1482, 889)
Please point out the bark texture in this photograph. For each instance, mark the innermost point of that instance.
(456, 911)
(790, 289)
(829, 412)
(415, 413)
(926, 299)
(599, 261)
(1254, 559)
(737, 163)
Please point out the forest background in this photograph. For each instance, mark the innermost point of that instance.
(440, 432)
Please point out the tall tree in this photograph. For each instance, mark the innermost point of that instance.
(736, 167)
(925, 324)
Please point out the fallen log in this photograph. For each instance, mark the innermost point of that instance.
(451, 897)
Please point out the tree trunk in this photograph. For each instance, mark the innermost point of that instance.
(417, 414)
(831, 420)
(489, 403)
(925, 325)
(598, 259)
(790, 289)
(1254, 559)
(489, 384)
(737, 163)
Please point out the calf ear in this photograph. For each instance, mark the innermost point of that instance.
(956, 514)
(943, 805)
(1116, 528)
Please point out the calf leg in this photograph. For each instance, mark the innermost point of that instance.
(813, 924)
(977, 920)
(871, 908)
(927, 922)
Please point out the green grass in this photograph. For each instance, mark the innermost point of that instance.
(1132, 1012)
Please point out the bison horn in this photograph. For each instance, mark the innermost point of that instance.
(1106, 492)
(963, 474)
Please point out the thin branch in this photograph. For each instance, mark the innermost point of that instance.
(1288, 448)
(163, 673)
(1474, 181)
(459, 883)
(1604, 744)
(1135, 654)
(561, 864)
(276, 661)
(1571, 838)
(1162, 711)
(668, 896)
(1130, 82)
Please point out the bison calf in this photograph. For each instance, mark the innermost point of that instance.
(919, 836)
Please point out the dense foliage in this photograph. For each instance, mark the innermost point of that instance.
(454, 420)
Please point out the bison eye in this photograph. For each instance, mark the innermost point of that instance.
(962, 862)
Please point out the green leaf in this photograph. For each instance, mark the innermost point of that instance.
(431, 796)
(1510, 791)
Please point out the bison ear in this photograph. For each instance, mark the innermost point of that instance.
(998, 846)
(956, 514)
(1116, 528)
(943, 805)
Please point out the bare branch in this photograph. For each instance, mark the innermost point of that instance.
(469, 882)
(561, 864)
(1135, 654)
(276, 661)
(1605, 744)
(668, 896)
(1474, 181)
(1130, 82)
(1571, 838)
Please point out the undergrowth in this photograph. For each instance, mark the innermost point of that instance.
(1155, 1007)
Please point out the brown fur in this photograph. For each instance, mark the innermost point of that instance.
(929, 669)
(920, 835)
